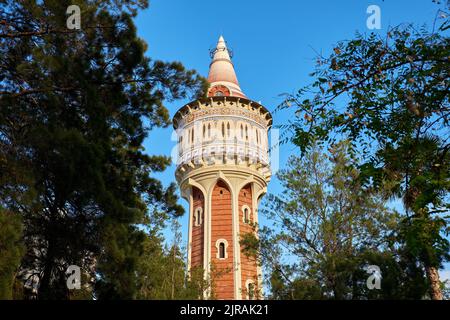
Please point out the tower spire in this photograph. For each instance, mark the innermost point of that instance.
(222, 77)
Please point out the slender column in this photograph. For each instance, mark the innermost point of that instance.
(236, 247)
(255, 202)
(207, 237)
(191, 203)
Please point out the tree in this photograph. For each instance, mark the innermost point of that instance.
(327, 228)
(389, 96)
(75, 107)
(161, 271)
(11, 248)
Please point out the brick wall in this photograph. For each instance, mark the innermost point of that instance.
(248, 264)
(221, 228)
(197, 231)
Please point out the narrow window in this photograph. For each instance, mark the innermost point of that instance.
(221, 250)
(198, 217)
(246, 133)
(209, 130)
(192, 136)
(228, 130)
(242, 131)
(221, 245)
(246, 213)
(256, 133)
(204, 131)
(223, 129)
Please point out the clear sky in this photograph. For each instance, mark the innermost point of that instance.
(274, 44)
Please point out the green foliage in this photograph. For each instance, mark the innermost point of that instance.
(331, 228)
(75, 108)
(298, 289)
(249, 244)
(389, 97)
(11, 251)
(376, 90)
(161, 272)
(422, 236)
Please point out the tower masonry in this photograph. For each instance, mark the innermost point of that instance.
(223, 171)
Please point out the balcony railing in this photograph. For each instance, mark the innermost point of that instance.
(209, 151)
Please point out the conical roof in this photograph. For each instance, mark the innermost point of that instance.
(222, 77)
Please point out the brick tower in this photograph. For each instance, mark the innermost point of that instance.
(223, 171)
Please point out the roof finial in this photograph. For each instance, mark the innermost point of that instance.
(221, 70)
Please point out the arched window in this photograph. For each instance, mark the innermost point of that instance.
(222, 245)
(228, 130)
(223, 129)
(246, 214)
(242, 131)
(198, 216)
(246, 133)
(204, 131)
(209, 130)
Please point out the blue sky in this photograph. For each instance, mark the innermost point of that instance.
(274, 44)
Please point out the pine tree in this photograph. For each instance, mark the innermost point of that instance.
(75, 107)
(11, 251)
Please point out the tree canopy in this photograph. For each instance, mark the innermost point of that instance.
(75, 108)
(389, 96)
(327, 229)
